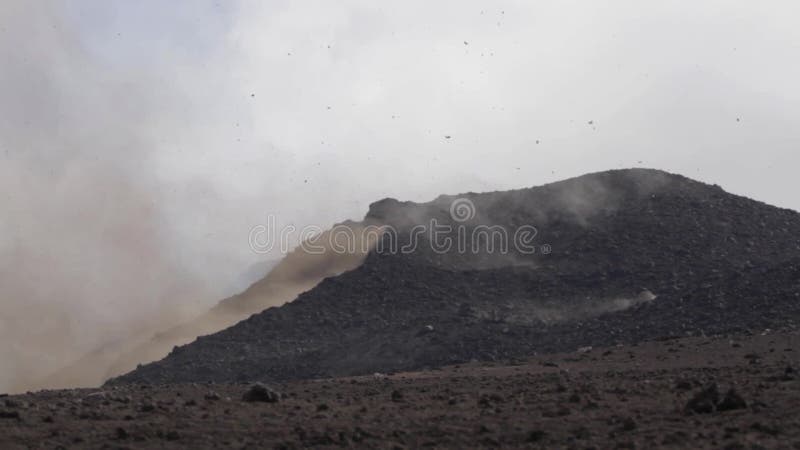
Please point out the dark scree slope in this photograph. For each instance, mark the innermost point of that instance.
(716, 262)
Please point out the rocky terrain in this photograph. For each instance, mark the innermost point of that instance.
(656, 312)
(636, 255)
(730, 392)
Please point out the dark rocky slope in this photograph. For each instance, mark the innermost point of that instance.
(716, 262)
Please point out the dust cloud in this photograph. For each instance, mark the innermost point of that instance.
(85, 254)
(297, 272)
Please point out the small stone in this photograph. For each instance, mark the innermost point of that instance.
(172, 435)
(731, 401)
(705, 401)
(536, 435)
(628, 424)
(397, 396)
(9, 415)
(261, 393)
(121, 433)
(147, 407)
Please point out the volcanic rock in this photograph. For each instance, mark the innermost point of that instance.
(732, 400)
(621, 257)
(9, 415)
(705, 401)
(261, 393)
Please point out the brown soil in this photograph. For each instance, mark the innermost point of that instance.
(622, 396)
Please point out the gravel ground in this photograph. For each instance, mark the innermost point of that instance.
(655, 394)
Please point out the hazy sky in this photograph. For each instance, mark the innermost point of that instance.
(141, 140)
(313, 109)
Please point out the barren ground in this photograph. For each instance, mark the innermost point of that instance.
(618, 397)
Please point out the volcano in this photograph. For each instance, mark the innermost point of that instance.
(616, 257)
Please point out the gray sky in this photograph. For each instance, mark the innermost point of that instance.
(163, 131)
